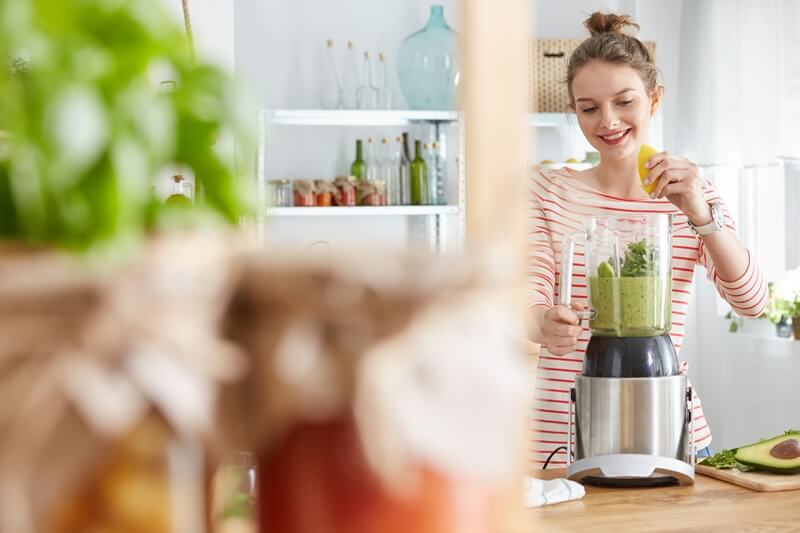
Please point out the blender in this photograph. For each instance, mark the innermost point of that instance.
(630, 410)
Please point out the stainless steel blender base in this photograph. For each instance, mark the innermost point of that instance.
(630, 469)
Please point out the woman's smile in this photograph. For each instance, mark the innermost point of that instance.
(615, 137)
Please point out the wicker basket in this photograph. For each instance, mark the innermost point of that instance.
(548, 72)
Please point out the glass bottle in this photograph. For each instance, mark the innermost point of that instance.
(367, 94)
(373, 166)
(441, 173)
(350, 79)
(330, 95)
(430, 161)
(405, 171)
(181, 192)
(385, 93)
(359, 168)
(419, 177)
(390, 173)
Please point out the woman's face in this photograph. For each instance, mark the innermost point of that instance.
(613, 108)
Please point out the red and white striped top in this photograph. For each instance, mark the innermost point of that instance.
(558, 203)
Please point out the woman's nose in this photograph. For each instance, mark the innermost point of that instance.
(610, 120)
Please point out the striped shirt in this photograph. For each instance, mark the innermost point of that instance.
(557, 205)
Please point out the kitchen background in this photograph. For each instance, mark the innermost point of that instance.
(732, 91)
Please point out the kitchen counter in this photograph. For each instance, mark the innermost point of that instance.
(708, 506)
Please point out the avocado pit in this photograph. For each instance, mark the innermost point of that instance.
(788, 449)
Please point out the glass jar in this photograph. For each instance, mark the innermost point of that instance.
(325, 193)
(346, 186)
(280, 193)
(304, 194)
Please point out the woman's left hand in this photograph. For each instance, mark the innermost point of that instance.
(680, 182)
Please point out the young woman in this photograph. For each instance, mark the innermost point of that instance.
(614, 92)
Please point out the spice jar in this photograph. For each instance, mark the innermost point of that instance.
(346, 186)
(280, 193)
(325, 192)
(304, 193)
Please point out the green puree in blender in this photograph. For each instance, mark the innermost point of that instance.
(638, 302)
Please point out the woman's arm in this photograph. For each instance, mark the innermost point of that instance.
(725, 258)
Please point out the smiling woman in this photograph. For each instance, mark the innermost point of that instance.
(614, 90)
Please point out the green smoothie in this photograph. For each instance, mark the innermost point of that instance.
(630, 307)
(636, 303)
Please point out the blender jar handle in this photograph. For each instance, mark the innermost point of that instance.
(567, 256)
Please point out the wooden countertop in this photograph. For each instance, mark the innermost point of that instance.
(708, 506)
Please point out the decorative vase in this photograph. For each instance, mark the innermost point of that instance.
(784, 328)
(429, 66)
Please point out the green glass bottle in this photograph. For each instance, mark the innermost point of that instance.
(359, 168)
(419, 177)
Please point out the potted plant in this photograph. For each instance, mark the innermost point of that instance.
(95, 304)
(784, 304)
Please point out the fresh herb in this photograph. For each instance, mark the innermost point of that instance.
(722, 460)
(640, 260)
(87, 130)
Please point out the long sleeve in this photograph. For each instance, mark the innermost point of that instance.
(541, 259)
(747, 294)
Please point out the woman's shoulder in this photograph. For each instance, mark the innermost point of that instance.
(550, 178)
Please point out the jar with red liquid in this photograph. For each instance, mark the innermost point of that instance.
(382, 404)
(346, 185)
(304, 194)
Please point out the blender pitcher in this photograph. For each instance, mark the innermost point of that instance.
(628, 269)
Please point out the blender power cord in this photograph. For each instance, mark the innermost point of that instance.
(549, 457)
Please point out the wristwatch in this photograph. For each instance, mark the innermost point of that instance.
(716, 224)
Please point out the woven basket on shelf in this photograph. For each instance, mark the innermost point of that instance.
(548, 72)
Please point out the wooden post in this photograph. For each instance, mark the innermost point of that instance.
(495, 44)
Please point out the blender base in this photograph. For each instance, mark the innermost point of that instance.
(631, 470)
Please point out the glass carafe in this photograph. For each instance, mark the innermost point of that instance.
(628, 269)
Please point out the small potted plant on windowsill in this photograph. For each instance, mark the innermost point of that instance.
(784, 304)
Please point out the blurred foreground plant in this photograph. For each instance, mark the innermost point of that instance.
(87, 128)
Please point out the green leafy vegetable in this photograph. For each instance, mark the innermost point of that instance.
(722, 460)
(639, 261)
(87, 127)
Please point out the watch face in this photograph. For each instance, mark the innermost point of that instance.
(718, 215)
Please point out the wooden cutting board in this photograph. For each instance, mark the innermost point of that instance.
(760, 481)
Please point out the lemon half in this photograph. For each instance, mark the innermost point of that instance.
(645, 153)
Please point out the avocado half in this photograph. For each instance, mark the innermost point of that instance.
(780, 454)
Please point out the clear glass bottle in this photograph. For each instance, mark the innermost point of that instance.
(441, 174)
(390, 173)
(330, 93)
(359, 167)
(350, 79)
(430, 160)
(385, 93)
(373, 166)
(367, 94)
(419, 177)
(405, 171)
(181, 192)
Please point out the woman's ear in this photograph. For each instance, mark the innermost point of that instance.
(655, 99)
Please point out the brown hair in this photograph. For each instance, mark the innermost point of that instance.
(609, 42)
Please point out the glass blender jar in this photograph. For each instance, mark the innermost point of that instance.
(628, 261)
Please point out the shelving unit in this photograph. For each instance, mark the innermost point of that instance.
(429, 222)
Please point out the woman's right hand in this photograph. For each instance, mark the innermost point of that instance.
(560, 329)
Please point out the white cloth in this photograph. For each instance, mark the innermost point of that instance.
(539, 492)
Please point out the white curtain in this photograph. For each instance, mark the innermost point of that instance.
(739, 89)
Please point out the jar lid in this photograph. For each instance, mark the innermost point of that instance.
(282, 181)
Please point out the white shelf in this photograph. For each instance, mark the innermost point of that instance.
(399, 210)
(344, 117)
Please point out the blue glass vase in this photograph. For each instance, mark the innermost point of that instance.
(429, 66)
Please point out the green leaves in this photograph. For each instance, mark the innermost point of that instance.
(639, 261)
(89, 127)
(722, 460)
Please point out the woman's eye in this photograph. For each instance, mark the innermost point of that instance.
(589, 110)
(626, 102)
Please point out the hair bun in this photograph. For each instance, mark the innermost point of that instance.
(608, 23)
